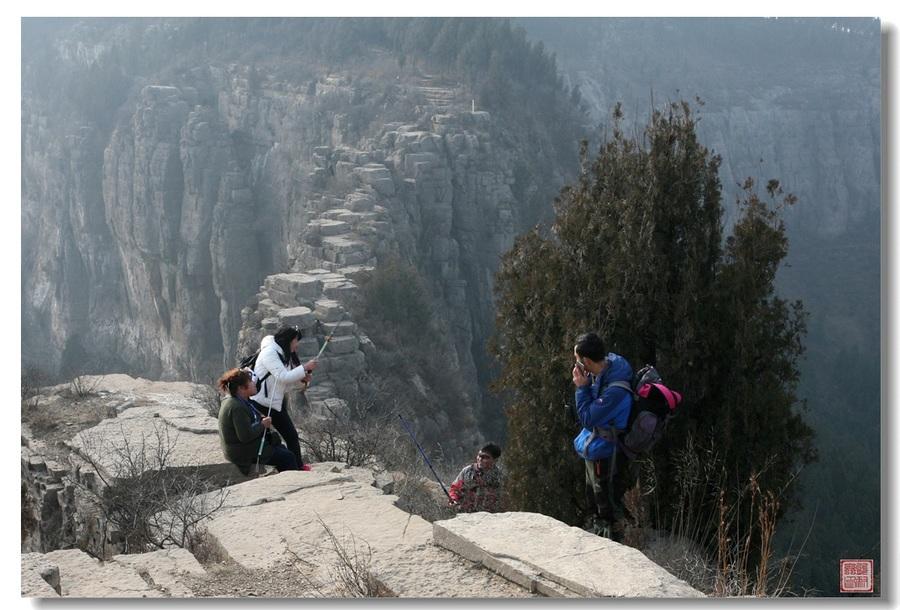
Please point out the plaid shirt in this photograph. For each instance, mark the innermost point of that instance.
(477, 490)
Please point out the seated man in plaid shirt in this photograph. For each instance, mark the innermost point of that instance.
(478, 487)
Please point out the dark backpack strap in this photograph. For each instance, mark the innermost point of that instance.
(615, 435)
(262, 382)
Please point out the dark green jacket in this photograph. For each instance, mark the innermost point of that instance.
(239, 434)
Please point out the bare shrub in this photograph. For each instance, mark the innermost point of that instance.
(364, 434)
(350, 571)
(40, 418)
(683, 558)
(355, 442)
(84, 386)
(417, 495)
(210, 398)
(33, 379)
(33, 411)
(144, 498)
(205, 548)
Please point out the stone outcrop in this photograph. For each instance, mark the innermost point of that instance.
(438, 194)
(40, 577)
(305, 519)
(145, 416)
(81, 575)
(73, 573)
(165, 568)
(554, 559)
(153, 416)
(295, 523)
(299, 505)
(50, 495)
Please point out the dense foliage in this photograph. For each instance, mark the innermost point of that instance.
(636, 253)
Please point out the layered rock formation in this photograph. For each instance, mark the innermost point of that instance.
(74, 573)
(148, 234)
(151, 425)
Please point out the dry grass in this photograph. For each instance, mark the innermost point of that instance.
(352, 571)
(205, 548)
(349, 568)
(704, 541)
(210, 398)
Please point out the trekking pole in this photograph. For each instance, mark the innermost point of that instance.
(427, 461)
(324, 345)
(262, 439)
(328, 338)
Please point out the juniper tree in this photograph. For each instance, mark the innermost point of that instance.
(636, 253)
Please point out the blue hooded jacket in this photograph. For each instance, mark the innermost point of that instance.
(600, 406)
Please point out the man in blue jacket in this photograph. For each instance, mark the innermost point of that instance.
(603, 402)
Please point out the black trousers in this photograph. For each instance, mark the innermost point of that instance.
(606, 496)
(282, 423)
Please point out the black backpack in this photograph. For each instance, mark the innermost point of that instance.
(653, 404)
(249, 362)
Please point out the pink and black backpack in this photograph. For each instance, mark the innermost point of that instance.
(653, 405)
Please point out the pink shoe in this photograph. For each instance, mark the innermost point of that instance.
(306, 468)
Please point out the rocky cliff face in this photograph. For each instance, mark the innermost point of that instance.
(153, 238)
(794, 99)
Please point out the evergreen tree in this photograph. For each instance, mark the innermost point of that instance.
(636, 253)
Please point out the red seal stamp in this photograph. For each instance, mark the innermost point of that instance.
(856, 575)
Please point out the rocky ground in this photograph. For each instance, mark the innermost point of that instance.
(58, 414)
(334, 532)
(228, 579)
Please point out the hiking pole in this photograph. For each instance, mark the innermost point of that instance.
(427, 461)
(262, 439)
(324, 345)
(328, 338)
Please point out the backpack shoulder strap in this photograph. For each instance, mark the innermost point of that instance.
(620, 384)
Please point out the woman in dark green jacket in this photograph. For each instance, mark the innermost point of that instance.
(241, 427)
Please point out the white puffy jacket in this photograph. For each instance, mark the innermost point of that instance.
(282, 379)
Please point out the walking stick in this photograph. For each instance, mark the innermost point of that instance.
(427, 461)
(330, 335)
(324, 345)
(262, 439)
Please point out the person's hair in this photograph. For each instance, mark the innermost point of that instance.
(590, 345)
(233, 379)
(283, 339)
(492, 449)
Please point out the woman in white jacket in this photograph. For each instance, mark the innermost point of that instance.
(280, 370)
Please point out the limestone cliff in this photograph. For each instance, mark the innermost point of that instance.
(154, 235)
